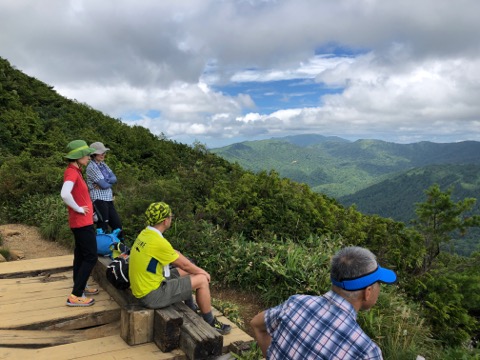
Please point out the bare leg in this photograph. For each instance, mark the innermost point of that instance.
(202, 292)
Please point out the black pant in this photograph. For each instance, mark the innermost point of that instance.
(84, 257)
(107, 216)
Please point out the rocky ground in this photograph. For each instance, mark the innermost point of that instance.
(25, 242)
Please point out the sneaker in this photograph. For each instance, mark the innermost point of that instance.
(79, 301)
(90, 291)
(223, 329)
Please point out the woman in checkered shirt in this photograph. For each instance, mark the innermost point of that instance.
(100, 179)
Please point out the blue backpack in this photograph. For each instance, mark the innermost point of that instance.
(107, 242)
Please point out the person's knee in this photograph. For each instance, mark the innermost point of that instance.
(199, 281)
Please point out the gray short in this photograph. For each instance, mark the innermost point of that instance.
(170, 291)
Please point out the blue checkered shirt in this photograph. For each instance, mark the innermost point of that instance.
(317, 327)
(94, 174)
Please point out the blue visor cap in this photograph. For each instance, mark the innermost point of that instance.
(382, 275)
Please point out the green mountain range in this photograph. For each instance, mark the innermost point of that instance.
(368, 173)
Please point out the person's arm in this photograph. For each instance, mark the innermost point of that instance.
(260, 331)
(103, 184)
(186, 265)
(112, 179)
(96, 177)
(66, 194)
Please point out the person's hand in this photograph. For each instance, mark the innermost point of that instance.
(85, 210)
(207, 275)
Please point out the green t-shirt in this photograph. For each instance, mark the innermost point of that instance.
(149, 254)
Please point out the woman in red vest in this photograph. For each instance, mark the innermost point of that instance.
(80, 218)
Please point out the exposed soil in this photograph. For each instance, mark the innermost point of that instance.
(27, 241)
(248, 304)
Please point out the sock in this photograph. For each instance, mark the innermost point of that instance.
(190, 303)
(208, 317)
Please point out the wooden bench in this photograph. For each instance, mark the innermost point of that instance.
(175, 326)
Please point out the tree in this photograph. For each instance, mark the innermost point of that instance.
(438, 217)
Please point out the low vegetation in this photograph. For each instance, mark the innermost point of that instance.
(258, 232)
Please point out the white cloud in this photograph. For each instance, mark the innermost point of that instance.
(411, 72)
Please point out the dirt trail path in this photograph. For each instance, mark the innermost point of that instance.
(27, 239)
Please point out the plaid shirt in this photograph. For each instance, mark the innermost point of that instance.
(94, 174)
(317, 327)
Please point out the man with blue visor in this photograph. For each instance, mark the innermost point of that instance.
(325, 327)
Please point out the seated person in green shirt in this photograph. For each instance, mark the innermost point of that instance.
(154, 282)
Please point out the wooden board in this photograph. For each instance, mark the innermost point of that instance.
(111, 347)
(23, 268)
(45, 338)
(32, 297)
(34, 303)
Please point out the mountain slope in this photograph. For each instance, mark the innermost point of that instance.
(396, 197)
(338, 167)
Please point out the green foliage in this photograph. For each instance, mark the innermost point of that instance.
(397, 326)
(459, 354)
(49, 213)
(252, 353)
(438, 217)
(24, 176)
(450, 297)
(5, 253)
(230, 310)
(275, 269)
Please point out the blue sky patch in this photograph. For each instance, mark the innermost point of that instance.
(283, 94)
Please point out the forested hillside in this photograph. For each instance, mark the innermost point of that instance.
(338, 167)
(258, 232)
(396, 197)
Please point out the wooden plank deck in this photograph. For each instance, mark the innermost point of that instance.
(36, 323)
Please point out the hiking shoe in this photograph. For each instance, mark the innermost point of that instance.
(79, 301)
(223, 329)
(90, 291)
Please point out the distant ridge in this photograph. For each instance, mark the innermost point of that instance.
(307, 140)
(339, 167)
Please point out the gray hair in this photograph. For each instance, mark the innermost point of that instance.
(352, 262)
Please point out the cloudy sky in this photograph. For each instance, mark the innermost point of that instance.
(224, 71)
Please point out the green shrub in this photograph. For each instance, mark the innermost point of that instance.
(5, 253)
(230, 310)
(275, 269)
(397, 326)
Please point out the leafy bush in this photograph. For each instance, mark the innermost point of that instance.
(5, 253)
(276, 269)
(398, 327)
(230, 310)
(449, 295)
